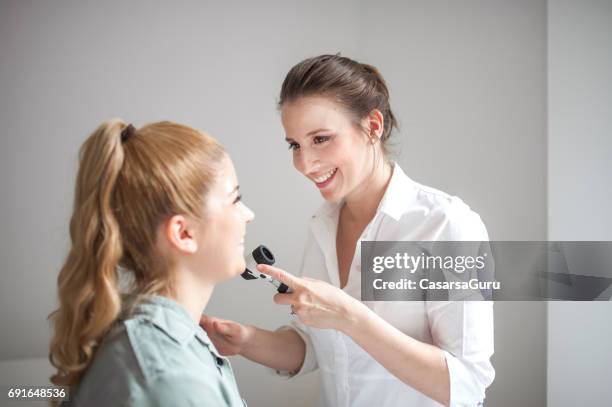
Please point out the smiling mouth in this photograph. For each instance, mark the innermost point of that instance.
(323, 180)
(325, 176)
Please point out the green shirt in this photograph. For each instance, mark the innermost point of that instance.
(157, 356)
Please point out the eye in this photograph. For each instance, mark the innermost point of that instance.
(320, 139)
(294, 146)
(238, 199)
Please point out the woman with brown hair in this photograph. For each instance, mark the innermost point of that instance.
(157, 223)
(338, 120)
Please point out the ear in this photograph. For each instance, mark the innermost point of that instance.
(180, 234)
(375, 123)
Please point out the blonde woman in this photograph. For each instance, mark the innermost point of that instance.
(162, 204)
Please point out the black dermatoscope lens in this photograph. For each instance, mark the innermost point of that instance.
(261, 255)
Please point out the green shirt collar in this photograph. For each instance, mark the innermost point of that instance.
(173, 319)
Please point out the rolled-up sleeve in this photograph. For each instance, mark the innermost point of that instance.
(310, 360)
(464, 332)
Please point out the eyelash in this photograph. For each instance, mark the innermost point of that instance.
(321, 139)
(238, 199)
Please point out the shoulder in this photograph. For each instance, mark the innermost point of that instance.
(156, 351)
(139, 364)
(439, 215)
(182, 387)
(137, 348)
(114, 373)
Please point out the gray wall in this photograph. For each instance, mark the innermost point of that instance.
(580, 190)
(467, 81)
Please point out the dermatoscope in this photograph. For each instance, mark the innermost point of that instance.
(262, 255)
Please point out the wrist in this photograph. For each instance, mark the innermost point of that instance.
(249, 339)
(357, 313)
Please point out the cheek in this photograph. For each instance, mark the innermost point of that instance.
(342, 156)
(234, 225)
(296, 162)
(333, 153)
(353, 163)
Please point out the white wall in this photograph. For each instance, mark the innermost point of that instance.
(579, 190)
(467, 81)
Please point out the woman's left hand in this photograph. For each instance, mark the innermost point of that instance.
(316, 303)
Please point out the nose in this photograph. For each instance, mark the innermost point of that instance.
(249, 215)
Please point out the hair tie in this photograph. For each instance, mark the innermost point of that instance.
(127, 132)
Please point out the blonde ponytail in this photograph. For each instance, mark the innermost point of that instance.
(87, 284)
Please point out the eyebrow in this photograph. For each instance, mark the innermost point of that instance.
(310, 133)
(234, 190)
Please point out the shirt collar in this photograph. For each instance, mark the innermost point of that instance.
(399, 193)
(173, 319)
(393, 203)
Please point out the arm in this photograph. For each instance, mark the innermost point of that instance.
(322, 305)
(455, 371)
(418, 364)
(280, 350)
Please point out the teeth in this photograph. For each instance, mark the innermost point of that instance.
(325, 176)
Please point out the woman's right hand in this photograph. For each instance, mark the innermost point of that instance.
(229, 337)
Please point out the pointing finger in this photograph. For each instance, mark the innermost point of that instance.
(283, 299)
(288, 279)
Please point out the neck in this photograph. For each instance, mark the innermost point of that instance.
(191, 293)
(361, 204)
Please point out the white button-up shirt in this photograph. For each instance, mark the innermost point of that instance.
(408, 211)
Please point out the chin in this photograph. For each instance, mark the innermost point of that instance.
(240, 268)
(331, 196)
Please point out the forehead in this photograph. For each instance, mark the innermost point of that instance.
(226, 179)
(310, 113)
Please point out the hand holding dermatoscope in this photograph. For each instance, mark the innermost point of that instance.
(262, 255)
(317, 303)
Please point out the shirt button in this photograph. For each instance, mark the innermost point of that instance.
(219, 361)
